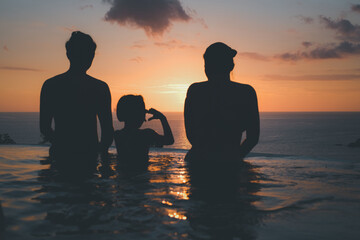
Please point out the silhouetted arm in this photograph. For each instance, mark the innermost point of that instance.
(168, 137)
(188, 117)
(253, 126)
(46, 114)
(105, 118)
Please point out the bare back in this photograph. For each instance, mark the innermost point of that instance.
(74, 103)
(216, 115)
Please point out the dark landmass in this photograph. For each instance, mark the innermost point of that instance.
(355, 144)
(6, 139)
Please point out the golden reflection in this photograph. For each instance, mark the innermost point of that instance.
(180, 194)
(154, 167)
(175, 214)
(166, 203)
(33, 217)
(98, 203)
(170, 170)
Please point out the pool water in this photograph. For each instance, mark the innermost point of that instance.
(273, 197)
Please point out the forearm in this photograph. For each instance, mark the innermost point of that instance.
(45, 126)
(48, 133)
(246, 146)
(107, 134)
(105, 118)
(168, 136)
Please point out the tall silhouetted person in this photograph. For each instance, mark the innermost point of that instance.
(74, 100)
(218, 111)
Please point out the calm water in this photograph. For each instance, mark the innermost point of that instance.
(302, 134)
(275, 198)
(299, 184)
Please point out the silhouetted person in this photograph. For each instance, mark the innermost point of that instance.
(132, 143)
(74, 100)
(219, 110)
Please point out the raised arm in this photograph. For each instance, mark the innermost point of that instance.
(105, 118)
(46, 113)
(168, 138)
(253, 125)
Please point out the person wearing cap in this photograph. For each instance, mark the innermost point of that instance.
(218, 111)
(74, 100)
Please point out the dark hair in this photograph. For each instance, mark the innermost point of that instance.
(128, 106)
(219, 57)
(80, 44)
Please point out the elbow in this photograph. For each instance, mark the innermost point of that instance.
(254, 141)
(44, 130)
(170, 141)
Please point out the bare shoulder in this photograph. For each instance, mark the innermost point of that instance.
(197, 86)
(244, 88)
(52, 84)
(54, 80)
(97, 82)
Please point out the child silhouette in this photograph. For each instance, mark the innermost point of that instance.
(133, 143)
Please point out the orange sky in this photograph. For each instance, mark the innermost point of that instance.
(294, 54)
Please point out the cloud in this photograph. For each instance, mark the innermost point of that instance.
(343, 27)
(137, 59)
(194, 15)
(307, 20)
(356, 8)
(348, 33)
(345, 44)
(86, 6)
(322, 51)
(19, 69)
(138, 45)
(325, 77)
(253, 55)
(171, 44)
(307, 44)
(153, 16)
(326, 51)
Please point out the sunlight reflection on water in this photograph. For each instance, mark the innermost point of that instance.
(165, 202)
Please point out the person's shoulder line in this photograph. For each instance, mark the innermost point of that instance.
(97, 80)
(244, 85)
(54, 79)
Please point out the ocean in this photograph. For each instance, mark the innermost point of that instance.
(323, 135)
(301, 181)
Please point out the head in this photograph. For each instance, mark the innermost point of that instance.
(131, 110)
(80, 50)
(219, 60)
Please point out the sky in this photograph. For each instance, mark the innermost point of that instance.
(298, 55)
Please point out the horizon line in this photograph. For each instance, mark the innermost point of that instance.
(356, 111)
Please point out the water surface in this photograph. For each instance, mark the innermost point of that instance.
(277, 197)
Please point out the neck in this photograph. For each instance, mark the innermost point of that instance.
(130, 126)
(219, 79)
(76, 70)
